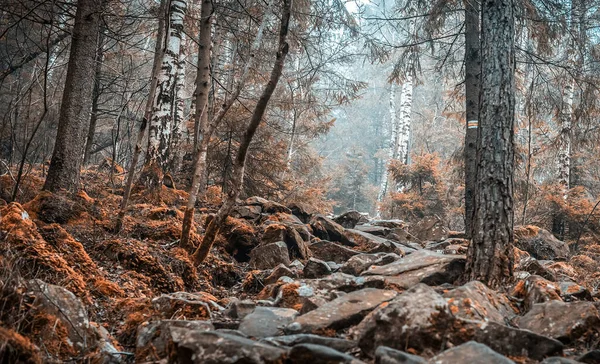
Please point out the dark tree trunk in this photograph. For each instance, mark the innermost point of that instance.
(95, 98)
(472, 73)
(237, 177)
(490, 255)
(77, 99)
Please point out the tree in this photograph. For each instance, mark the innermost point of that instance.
(237, 177)
(77, 99)
(490, 255)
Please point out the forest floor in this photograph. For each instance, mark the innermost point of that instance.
(283, 285)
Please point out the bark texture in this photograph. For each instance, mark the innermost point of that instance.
(472, 74)
(490, 255)
(237, 178)
(77, 99)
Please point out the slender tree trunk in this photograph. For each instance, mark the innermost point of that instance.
(406, 98)
(393, 142)
(490, 255)
(206, 131)
(237, 177)
(472, 74)
(158, 47)
(157, 155)
(95, 98)
(77, 100)
(176, 136)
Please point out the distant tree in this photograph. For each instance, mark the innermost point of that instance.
(490, 255)
(77, 99)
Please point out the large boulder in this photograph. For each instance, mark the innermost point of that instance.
(297, 247)
(359, 263)
(476, 301)
(540, 243)
(385, 355)
(471, 352)
(342, 312)
(342, 345)
(327, 229)
(329, 251)
(267, 321)
(349, 219)
(430, 228)
(535, 289)
(316, 268)
(212, 347)
(420, 319)
(422, 266)
(153, 338)
(270, 255)
(562, 321)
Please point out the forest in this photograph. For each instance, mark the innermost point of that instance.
(300, 181)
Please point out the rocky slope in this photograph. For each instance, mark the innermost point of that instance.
(283, 285)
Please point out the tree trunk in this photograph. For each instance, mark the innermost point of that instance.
(160, 34)
(157, 155)
(200, 118)
(77, 100)
(393, 142)
(95, 98)
(472, 74)
(237, 178)
(490, 255)
(406, 98)
(206, 131)
(176, 136)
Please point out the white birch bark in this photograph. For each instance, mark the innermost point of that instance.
(383, 189)
(406, 99)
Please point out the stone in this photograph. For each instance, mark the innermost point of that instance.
(316, 268)
(196, 304)
(391, 224)
(349, 219)
(571, 291)
(423, 266)
(359, 263)
(535, 267)
(381, 231)
(327, 229)
(300, 211)
(591, 357)
(372, 243)
(319, 354)
(278, 272)
(385, 355)
(420, 319)
(439, 246)
(267, 321)
(255, 200)
(271, 207)
(329, 251)
(535, 289)
(342, 345)
(475, 301)
(341, 312)
(153, 338)
(238, 309)
(563, 321)
(269, 255)
(471, 352)
(455, 249)
(297, 247)
(212, 347)
(540, 243)
(251, 212)
(430, 228)
(559, 360)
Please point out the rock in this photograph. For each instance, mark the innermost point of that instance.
(349, 219)
(252, 212)
(271, 207)
(475, 300)
(193, 346)
(562, 321)
(374, 244)
(316, 268)
(342, 312)
(327, 229)
(423, 266)
(430, 228)
(328, 251)
(267, 321)
(534, 267)
(391, 224)
(571, 291)
(381, 231)
(401, 235)
(420, 319)
(278, 272)
(385, 355)
(559, 360)
(238, 309)
(535, 289)
(455, 249)
(269, 255)
(540, 243)
(188, 304)
(292, 340)
(439, 246)
(255, 201)
(318, 354)
(153, 338)
(591, 357)
(69, 314)
(300, 211)
(358, 263)
(471, 352)
(297, 247)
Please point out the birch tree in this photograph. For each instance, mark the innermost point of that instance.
(164, 100)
